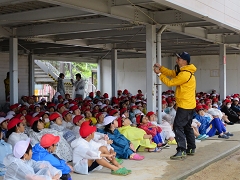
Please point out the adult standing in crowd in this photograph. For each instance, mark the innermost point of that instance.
(60, 85)
(7, 86)
(184, 80)
(79, 85)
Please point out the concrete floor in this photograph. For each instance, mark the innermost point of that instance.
(159, 166)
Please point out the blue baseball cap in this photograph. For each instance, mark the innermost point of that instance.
(184, 56)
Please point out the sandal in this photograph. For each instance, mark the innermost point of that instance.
(136, 157)
(120, 161)
(120, 172)
(128, 170)
(155, 150)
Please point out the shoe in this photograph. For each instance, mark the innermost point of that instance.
(230, 123)
(190, 152)
(136, 157)
(120, 161)
(120, 172)
(200, 137)
(204, 136)
(164, 146)
(173, 142)
(229, 134)
(178, 155)
(223, 136)
(128, 170)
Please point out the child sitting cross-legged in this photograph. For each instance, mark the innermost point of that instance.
(89, 155)
(44, 150)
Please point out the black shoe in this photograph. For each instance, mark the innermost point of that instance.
(230, 123)
(178, 155)
(190, 152)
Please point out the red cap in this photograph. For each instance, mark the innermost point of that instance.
(40, 114)
(91, 94)
(205, 106)
(125, 91)
(198, 107)
(73, 108)
(164, 102)
(51, 105)
(28, 118)
(13, 123)
(60, 97)
(86, 129)
(123, 110)
(54, 116)
(48, 140)
(13, 106)
(19, 116)
(31, 107)
(150, 113)
(65, 113)
(227, 101)
(33, 120)
(112, 112)
(60, 105)
(105, 95)
(134, 106)
(77, 118)
(22, 108)
(98, 114)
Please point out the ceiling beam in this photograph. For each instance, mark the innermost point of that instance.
(96, 24)
(8, 2)
(219, 31)
(125, 2)
(42, 15)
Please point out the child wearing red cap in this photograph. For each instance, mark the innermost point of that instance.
(64, 151)
(167, 132)
(89, 155)
(15, 131)
(56, 124)
(44, 150)
(67, 120)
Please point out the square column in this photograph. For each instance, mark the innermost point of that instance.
(114, 71)
(31, 74)
(223, 71)
(13, 67)
(150, 61)
(99, 76)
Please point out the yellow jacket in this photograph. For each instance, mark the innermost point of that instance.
(185, 86)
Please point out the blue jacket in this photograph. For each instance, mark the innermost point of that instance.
(41, 154)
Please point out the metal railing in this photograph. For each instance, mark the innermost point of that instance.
(50, 69)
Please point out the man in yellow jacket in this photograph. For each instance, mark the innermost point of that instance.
(184, 80)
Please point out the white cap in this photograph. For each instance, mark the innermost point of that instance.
(103, 105)
(99, 103)
(214, 95)
(213, 112)
(20, 148)
(215, 105)
(35, 114)
(65, 102)
(236, 99)
(11, 113)
(10, 116)
(108, 120)
(2, 119)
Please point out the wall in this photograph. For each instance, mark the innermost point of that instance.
(22, 75)
(132, 73)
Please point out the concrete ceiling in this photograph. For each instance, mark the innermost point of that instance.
(90, 29)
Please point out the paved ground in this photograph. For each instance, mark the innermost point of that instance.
(159, 166)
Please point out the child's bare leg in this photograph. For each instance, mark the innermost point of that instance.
(104, 150)
(106, 164)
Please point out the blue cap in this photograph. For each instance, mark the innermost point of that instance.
(184, 56)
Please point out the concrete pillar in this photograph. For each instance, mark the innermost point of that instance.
(99, 76)
(150, 61)
(114, 71)
(222, 71)
(31, 72)
(13, 67)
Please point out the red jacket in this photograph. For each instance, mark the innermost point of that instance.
(150, 130)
